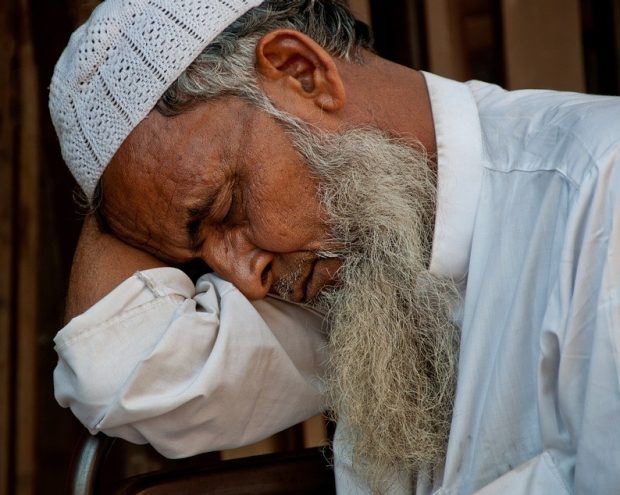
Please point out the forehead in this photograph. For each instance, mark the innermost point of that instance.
(193, 148)
(169, 163)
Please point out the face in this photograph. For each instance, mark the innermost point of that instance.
(222, 183)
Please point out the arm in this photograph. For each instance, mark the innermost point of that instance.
(101, 263)
(186, 368)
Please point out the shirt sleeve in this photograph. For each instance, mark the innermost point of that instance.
(189, 369)
(592, 340)
(579, 393)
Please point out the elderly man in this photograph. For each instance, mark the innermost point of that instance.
(463, 243)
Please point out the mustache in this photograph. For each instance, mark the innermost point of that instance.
(285, 285)
(309, 271)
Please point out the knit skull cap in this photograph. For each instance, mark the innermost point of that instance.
(116, 67)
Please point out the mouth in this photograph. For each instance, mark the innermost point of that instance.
(311, 287)
(304, 284)
(324, 273)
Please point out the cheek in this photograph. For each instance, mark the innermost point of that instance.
(281, 233)
(286, 227)
(282, 208)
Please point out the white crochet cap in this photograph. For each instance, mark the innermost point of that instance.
(116, 67)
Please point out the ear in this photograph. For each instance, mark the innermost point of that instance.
(297, 71)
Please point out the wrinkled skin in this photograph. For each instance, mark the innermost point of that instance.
(230, 153)
(264, 223)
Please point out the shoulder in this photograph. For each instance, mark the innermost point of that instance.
(534, 130)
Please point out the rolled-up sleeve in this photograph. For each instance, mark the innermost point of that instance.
(187, 368)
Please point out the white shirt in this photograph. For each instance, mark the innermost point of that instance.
(189, 369)
(528, 220)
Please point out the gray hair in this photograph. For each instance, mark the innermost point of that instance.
(226, 66)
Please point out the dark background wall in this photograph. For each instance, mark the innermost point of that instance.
(561, 44)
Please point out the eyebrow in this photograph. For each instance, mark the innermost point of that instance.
(196, 215)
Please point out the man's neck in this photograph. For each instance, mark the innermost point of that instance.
(391, 97)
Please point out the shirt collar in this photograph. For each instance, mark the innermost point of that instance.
(459, 165)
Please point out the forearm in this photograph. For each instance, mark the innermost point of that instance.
(101, 263)
(189, 368)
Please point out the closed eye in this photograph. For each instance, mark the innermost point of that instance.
(223, 207)
(235, 206)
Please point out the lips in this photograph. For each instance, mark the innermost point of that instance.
(310, 286)
(304, 284)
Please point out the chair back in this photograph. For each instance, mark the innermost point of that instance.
(301, 472)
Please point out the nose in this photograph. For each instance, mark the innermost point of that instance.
(244, 265)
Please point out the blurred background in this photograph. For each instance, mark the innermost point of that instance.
(558, 44)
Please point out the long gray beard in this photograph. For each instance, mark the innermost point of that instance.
(392, 344)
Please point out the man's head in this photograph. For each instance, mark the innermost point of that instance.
(290, 160)
(165, 181)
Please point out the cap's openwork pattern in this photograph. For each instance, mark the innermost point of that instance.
(116, 67)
